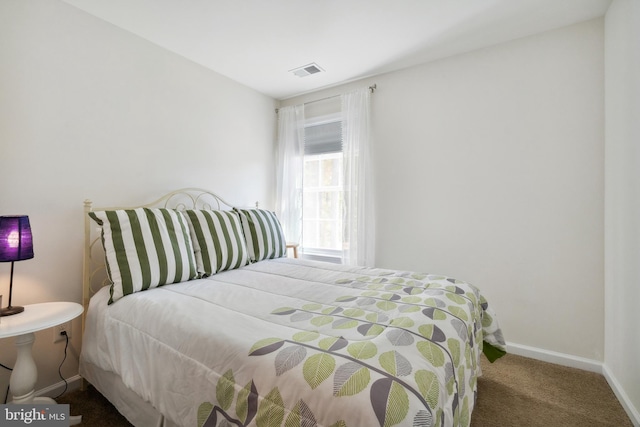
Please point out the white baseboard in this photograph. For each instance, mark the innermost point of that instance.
(54, 390)
(580, 363)
(631, 411)
(555, 357)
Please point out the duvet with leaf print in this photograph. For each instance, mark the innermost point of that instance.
(291, 342)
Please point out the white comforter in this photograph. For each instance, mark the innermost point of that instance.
(298, 343)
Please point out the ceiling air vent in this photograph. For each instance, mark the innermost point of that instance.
(307, 70)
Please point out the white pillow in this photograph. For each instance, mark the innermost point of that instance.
(263, 233)
(145, 248)
(218, 242)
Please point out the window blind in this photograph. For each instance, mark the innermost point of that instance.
(323, 138)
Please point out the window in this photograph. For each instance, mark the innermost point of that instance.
(323, 190)
(318, 143)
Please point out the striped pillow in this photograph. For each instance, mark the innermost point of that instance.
(145, 248)
(262, 230)
(217, 240)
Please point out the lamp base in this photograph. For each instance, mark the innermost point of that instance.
(11, 310)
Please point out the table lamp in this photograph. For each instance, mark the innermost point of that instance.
(16, 244)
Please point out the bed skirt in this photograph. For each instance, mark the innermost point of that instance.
(137, 411)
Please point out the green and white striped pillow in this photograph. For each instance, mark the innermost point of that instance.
(145, 248)
(263, 233)
(217, 241)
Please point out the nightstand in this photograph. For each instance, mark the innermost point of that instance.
(293, 246)
(23, 326)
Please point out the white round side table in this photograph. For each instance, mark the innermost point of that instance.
(23, 326)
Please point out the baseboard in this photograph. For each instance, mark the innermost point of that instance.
(580, 363)
(54, 390)
(624, 400)
(555, 357)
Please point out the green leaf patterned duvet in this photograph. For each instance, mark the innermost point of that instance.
(297, 343)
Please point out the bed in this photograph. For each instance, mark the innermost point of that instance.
(235, 333)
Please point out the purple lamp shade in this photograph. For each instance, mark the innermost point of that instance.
(16, 243)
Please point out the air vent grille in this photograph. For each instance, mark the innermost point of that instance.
(307, 70)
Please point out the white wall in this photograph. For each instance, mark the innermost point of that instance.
(489, 168)
(88, 110)
(622, 201)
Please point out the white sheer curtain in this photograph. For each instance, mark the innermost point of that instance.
(359, 221)
(290, 171)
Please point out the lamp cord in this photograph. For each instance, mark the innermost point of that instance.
(66, 385)
(62, 363)
(6, 396)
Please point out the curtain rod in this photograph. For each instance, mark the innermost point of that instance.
(372, 89)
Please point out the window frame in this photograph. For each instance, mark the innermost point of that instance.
(315, 253)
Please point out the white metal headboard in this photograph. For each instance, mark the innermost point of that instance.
(94, 272)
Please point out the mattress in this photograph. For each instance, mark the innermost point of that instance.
(297, 342)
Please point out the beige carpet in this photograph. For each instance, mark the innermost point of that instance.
(513, 392)
(517, 391)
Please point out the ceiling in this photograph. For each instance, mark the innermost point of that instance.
(258, 42)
